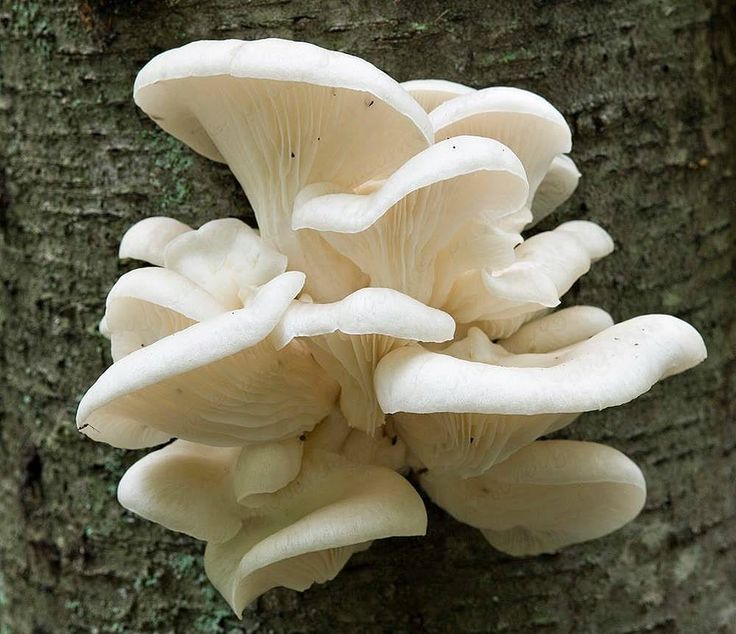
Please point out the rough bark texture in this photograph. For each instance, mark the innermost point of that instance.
(647, 86)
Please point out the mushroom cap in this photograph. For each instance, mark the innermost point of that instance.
(545, 496)
(147, 239)
(545, 268)
(188, 68)
(527, 123)
(334, 435)
(220, 382)
(490, 178)
(311, 528)
(430, 93)
(558, 184)
(558, 329)
(367, 311)
(186, 487)
(284, 115)
(397, 232)
(226, 257)
(266, 468)
(147, 304)
(349, 337)
(611, 368)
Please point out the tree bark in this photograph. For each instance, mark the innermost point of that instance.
(647, 86)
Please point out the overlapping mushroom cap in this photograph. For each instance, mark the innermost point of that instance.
(387, 317)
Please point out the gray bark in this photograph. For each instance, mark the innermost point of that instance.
(647, 86)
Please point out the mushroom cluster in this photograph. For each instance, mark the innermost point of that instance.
(387, 317)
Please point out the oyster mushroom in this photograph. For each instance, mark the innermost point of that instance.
(556, 187)
(477, 376)
(147, 239)
(219, 381)
(398, 233)
(148, 304)
(226, 257)
(430, 93)
(545, 267)
(300, 534)
(284, 115)
(547, 495)
(349, 337)
(295, 412)
(525, 122)
(558, 329)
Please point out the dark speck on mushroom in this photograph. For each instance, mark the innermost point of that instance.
(472, 440)
(293, 155)
(394, 440)
(371, 102)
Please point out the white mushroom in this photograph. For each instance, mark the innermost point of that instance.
(186, 487)
(227, 258)
(558, 184)
(385, 449)
(299, 534)
(266, 468)
(525, 122)
(147, 239)
(467, 445)
(548, 495)
(148, 304)
(310, 529)
(284, 115)
(546, 266)
(220, 382)
(611, 368)
(397, 232)
(298, 398)
(348, 338)
(558, 329)
(430, 93)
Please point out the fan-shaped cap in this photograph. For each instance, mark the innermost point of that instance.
(186, 487)
(148, 304)
(227, 258)
(385, 449)
(219, 382)
(368, 311)
(147, 239)
(545, 496)
(349, 337)
(527, 123)
(611, 368)
(545, 268)
(558, 329)
(396, 233)
(430, 93)
(284, 115)
(266, 468)
(310, 528)
(558, 184)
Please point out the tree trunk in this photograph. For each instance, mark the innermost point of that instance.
(647, 86)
